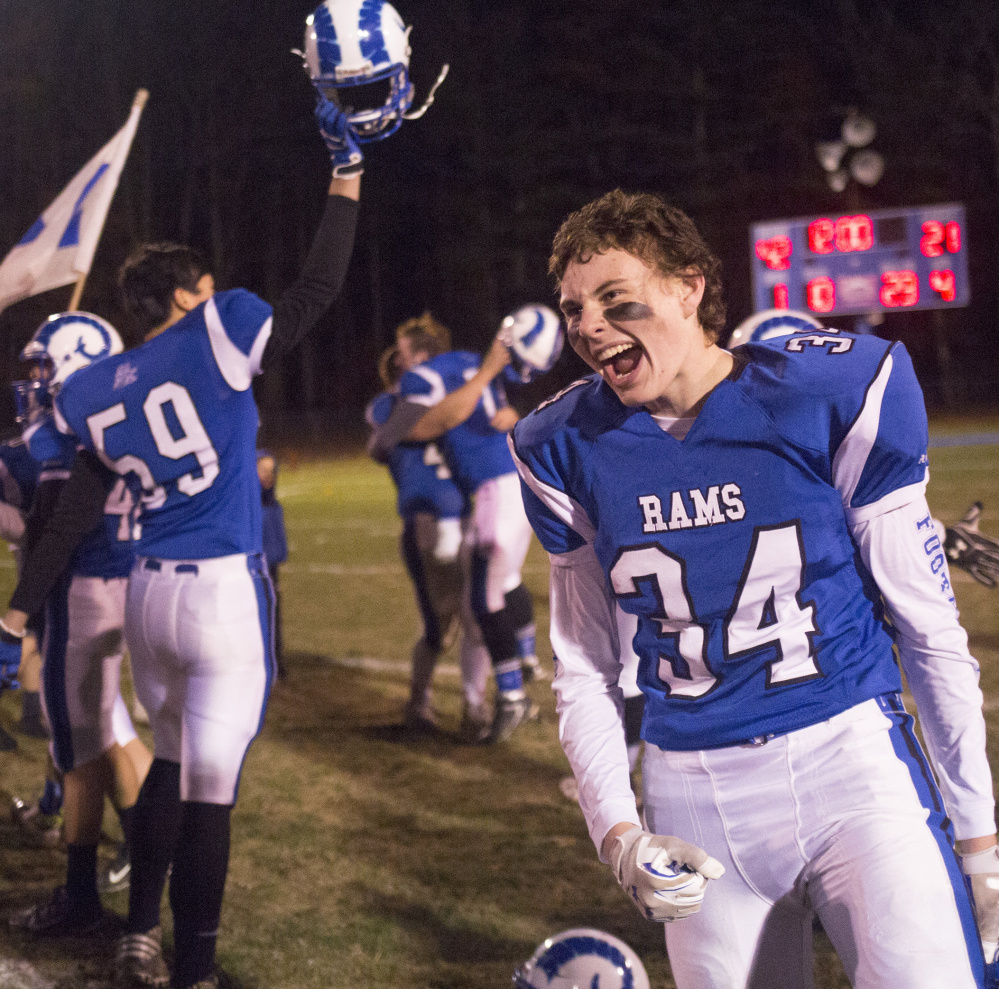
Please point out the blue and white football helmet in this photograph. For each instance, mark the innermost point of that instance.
(534, 336)
(63, 344)
(770, 323)
(582, 958)
(355, 43)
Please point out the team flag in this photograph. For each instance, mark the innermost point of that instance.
(59, 246)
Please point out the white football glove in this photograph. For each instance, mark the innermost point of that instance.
(982, 869)
(665, 876)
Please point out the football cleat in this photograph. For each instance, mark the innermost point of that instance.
(357, 55)
(138, 962)
(62, 345)
(40, 829)
(117, 874)
(54, 918)
(534, 336)
(510, 714)
(476, 720)
(770, 323)
(582, 958)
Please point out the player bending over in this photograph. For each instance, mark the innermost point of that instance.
(177, 418)
(762, 514)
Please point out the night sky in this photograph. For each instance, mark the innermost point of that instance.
(715, 103)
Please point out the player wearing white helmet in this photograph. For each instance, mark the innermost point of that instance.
(177, 418)
(93, 744)
(761, 512)
(454, 397)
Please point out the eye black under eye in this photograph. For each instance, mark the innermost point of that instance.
(625, 311)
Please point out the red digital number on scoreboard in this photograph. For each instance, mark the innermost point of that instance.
(899, 288)
(848, 233)
(780, 296)
(939, 237)
(942, 282)
(775, 252)
(820, 294)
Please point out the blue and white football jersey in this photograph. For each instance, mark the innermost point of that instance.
(106, 552)
(177, 416)
(421, 477)
(732, 546)
(18, 474)
(474, 450)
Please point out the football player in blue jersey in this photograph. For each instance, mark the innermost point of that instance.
(452, 396)
(762, 514)
(433, 509)
(83, 641)
(176, 417)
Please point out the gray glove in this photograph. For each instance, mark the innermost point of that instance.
(970, 550)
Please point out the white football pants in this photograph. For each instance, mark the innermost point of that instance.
(841, 818)
(200, 636)
(81, 668)
(500, 533)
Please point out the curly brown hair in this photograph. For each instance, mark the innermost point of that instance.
(425, 333)
(650, 229)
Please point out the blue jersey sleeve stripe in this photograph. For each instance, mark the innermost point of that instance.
(561, 505)
(851, 457)
(231, 361)
(437, 387)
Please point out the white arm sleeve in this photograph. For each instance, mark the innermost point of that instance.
(590, 705)
(904, 553)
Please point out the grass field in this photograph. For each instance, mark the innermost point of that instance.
(365, 857)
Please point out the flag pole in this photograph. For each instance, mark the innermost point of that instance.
(141, 95)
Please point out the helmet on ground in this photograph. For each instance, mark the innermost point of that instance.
(772, 323)
(582, 958)
(534, 337)
(62, 345)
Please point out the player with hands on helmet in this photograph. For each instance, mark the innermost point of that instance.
(199, 609)
(340, 139)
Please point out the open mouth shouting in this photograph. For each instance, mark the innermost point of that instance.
(619, 362)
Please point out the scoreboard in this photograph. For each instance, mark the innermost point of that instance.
(881, 261)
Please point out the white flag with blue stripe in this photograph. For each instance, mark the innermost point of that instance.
(59, 246)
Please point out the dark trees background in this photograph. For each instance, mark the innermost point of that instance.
(716, 103)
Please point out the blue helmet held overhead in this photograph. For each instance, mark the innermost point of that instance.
(62, 345)
(770, 323)
(534, 336)
(357, 56)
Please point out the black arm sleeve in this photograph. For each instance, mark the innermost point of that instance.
(393, 430)
(320, 282)
(76, 512)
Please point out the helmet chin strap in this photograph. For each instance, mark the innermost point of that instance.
(416, 114)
